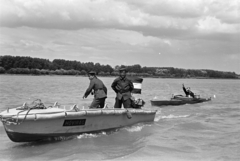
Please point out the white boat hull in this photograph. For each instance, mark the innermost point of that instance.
(41, 124)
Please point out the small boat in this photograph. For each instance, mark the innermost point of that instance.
(179, 100)
(27, 124)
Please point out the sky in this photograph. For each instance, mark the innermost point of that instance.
(189, 34)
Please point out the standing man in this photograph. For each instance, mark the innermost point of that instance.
(123, 88)
(98, 88)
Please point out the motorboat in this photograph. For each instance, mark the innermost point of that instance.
(33, 123)
(179, 100)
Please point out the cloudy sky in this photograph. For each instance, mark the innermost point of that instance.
(190, 34)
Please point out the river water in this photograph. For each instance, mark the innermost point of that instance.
(207, 131)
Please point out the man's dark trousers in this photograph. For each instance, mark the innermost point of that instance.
(126, 103)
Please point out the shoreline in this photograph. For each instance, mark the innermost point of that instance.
(110, 76)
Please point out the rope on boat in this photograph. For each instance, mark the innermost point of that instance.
(37, 104)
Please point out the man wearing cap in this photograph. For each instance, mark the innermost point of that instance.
(123, 88)
(188, 92)
(99, 90)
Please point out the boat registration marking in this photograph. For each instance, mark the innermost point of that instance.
(75, 122)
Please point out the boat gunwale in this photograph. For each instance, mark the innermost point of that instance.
(69, 114)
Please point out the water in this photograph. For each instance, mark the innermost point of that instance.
(207, 131)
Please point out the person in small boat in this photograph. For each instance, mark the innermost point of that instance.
(97, 88)
(188, 92)
(123, 88)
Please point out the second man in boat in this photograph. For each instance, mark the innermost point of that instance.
(123, 88)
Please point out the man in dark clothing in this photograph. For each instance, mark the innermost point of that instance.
(188, 92)
(99, 90)
(123, 88)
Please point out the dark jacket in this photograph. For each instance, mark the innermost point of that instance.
(100, 90)
(122, 87)
(188, 92)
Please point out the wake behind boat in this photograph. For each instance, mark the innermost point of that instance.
(27, 124)
(179, 100)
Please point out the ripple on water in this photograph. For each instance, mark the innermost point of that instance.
(205, 131)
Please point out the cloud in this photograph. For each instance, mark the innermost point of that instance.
(226, 11)
(167, 42)
(87, 42)
(74, 14)
(212, 24)
(166, 19)
(120, 29)
(170, 8)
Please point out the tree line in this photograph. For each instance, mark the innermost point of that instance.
(39, 66)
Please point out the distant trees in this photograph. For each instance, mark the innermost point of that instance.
(38, 66)
(2, 70)
(8, 62)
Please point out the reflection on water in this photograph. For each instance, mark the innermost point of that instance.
(205, 131)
